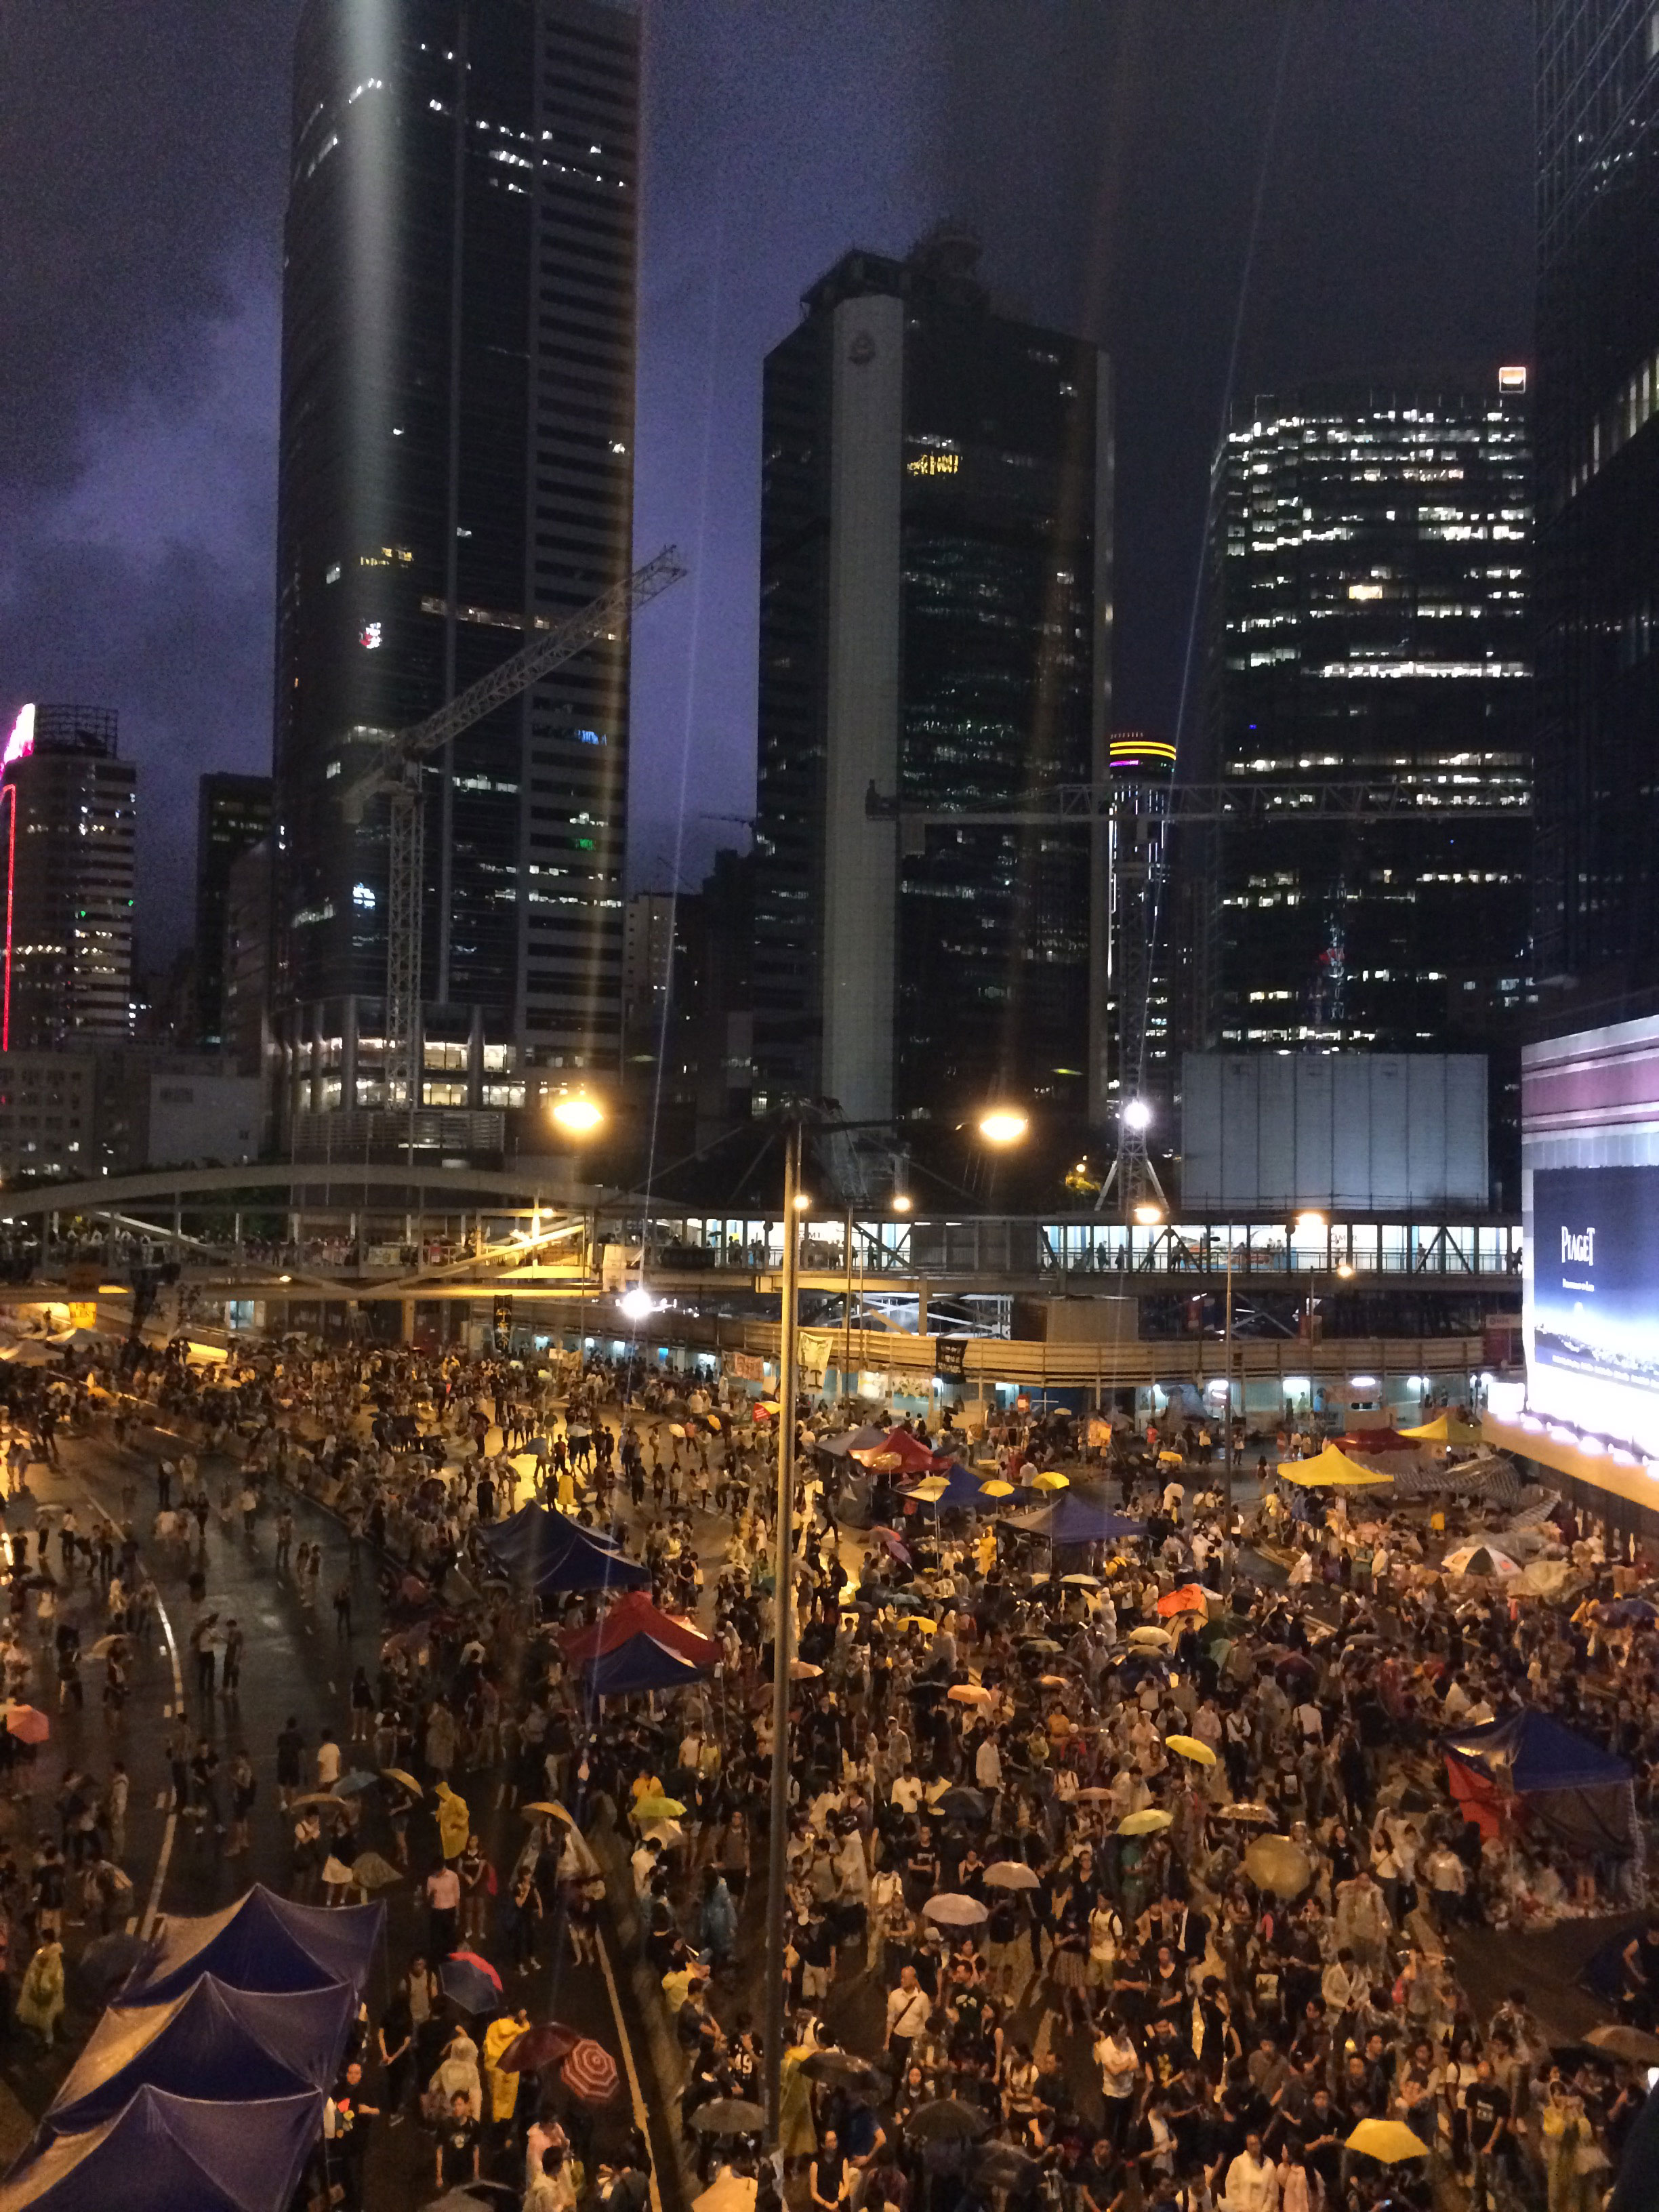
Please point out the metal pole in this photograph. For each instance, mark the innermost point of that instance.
(1227, 1408)
(846, 1309)
(782, 1638)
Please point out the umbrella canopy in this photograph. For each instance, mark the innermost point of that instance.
(1192, 1748)
(107, 1962)
(971, 1693)
(1012, 1873)
(1150, 1638)
(846, 2069)
(1331, 1470)
(1189, 1598)
(1051, 1479)
(731, 2192)
(590, 2072)
(1147, 1822)
(962, 1803)
(996, 1489)
(952, 1908)
(370, 1871)
(400, 1775)
(162, 2153)
(212, 2042)
(729, 2116)
(898, 1445)
(1275, 1863)
(656, 1808)
(26, 1725)
(1480, 1560)
(262, 1941)
(471, 1981)
(1444, 1429)
(1391, 2141)
(1621, 2042)
(1004, 2166)
(543, 2046)
(947, 2120)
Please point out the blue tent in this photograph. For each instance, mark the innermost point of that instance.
(962, 1491)
(533, 1534)
(582, 1564)
(1532, 1753)
(260, 1943)
(641, 1663)
(1079, 1520)
(166, 2154)
(214, 2042)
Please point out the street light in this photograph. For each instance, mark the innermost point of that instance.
(1138, 1114)
(578, 1114)
(900, 1202)
(1149, 1216)
(638, 1303)
(800, 1202)
(1003, 1125)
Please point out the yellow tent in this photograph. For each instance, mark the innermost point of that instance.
(1333, 1469)
(1444, 1429)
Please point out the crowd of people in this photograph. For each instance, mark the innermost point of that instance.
(1103, 1888)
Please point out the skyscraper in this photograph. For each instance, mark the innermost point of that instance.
(233, 813)
(1371, 566)
(456, 471)
(1597, 906)
(67, 818)
(935, 622)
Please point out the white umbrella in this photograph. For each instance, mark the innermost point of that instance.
(1480, 1560)
(1012, 1873)
(952, 1908)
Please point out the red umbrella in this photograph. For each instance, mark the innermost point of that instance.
(591, 2072)
(537, 2047)
(1189, 1598)
(28, 1725)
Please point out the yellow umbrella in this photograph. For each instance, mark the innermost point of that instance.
(1275, 1863)
(545, 1807)
(1444, 1429)
(658, 1808)
(1190, 1746)
(884, 1463)
(1388, 2140)
(1153, 1638)
(1147, 1822)
(1051, 1479)
(397, 1774)
(996, 1490)
(971, 1693)
(1332, 1470)
(1169, 1459)
(933, 1488)
(987, 1466)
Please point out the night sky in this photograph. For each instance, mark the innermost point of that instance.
(1124, 162)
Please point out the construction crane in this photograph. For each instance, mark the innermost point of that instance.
(1135, 817)
(398, 772)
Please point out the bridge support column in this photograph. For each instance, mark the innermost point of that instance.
(405, 1321)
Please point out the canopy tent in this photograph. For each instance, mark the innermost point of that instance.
(1331, 1469)
(633, 1616)
(1080, 1519)
(961, 1491)
(869, 1438)
(640, 1664)
(167, 2154)
(550, 1552)
(1375, 1443)
(1579, 1794)
(261, 1943)
(213, 2042)
(912, 1455)
(1445, 1429)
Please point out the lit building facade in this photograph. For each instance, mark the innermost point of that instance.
(67, 820)
(935, 622)
(1597, 106)
(1369, 580)
(456, 471)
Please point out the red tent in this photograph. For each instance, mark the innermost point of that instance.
(912, 1455)
(634, 1615)
(1369, 1444)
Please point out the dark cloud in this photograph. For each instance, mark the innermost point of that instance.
(1109, 153)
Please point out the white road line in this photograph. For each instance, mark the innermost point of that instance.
(168, 1832)
(642, 2118)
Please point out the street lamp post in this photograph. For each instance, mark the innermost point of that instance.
(783, 1573)
(1227, 1402)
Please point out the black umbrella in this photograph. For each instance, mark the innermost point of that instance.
(964, 1804)
(728, 2116)
(1004, 2166)
(947, 2120)
(843, 2068)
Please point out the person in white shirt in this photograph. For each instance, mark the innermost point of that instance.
(906, 1792)
(988, 1765)
(1252, 2183)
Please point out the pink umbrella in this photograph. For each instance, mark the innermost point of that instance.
(591, 2072)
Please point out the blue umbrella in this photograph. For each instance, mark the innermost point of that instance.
(471, 1983)
(350, 1784)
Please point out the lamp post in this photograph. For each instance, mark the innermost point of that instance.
(999, 1125)
(783, 1595)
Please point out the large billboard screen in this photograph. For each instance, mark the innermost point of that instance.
(1595, 1250)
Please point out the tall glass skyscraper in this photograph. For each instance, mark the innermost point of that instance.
(935, 622)
(1369, 580)
(456, 470)
(1597, 916)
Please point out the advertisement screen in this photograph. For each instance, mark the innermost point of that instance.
(1595, 1253)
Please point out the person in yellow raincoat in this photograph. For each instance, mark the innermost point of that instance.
(454, 1822)
(798, 2134)
(501, 2089)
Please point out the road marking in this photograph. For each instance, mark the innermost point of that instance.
(642, 2118)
